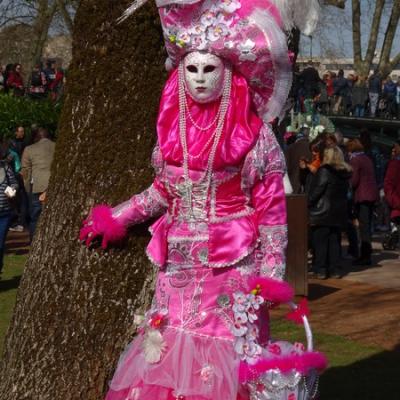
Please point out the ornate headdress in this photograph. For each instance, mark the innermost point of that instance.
(250, 34)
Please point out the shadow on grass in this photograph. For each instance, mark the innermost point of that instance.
(317, 291)
(374, 378)
(9, 284)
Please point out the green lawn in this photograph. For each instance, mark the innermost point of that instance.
(13, 267)
(356, 371)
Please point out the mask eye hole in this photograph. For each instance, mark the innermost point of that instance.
(192, 68)
(209, 68)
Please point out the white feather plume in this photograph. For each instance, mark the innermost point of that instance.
(303, 14)
(131, 10)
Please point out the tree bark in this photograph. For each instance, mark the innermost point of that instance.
(75, 307)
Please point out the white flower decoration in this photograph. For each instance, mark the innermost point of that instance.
(246, 51)
(207, 373)
(198, 29)
(183, 39)
(208, 18)
(240, 298)
(255, 301)
(216, 32)
(252, 316)
(248, 350)
(200, 43)
(153, 346)
(229, 6)
(252, 332)
(239, 329)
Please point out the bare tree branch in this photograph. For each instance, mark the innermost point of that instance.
(62, 6)
(373, 38)
(390, 33)
(395, 61)
(336, 3)
(356, 8)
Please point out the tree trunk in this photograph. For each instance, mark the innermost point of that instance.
(75, 307)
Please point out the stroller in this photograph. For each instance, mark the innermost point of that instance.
(391, 239)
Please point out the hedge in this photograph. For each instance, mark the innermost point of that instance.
(15, 111)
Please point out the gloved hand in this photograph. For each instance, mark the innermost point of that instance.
(101, 225)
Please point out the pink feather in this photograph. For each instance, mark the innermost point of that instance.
(302, 363)
(297, 315)
(271, 289)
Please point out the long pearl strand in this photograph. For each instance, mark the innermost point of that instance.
(201, 128)
(215, 137)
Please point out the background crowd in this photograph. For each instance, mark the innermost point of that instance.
(24, 177)
(351, 188)
(352, 95)
(40, 84)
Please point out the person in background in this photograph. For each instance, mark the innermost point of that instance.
(359, 97)
(16, 148)
(374, 91)
(365, 194)
(56, 87)
(341, 89)
(50, 73)
(398, 98)
(321, 100)
(6, 75)
(392, 184)
(299, 150)
(38, 84)
(327, 205)
(308, 168)
(15, 81)
(36, 164)
(8, 188)
(328, 79)
(309, 80)
(389, 93)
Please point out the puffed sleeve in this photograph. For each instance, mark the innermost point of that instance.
(263, 172)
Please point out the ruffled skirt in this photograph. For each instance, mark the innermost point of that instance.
(206, 337)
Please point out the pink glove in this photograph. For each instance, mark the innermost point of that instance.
(101, 223)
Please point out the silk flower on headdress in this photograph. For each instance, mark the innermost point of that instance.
(249, 34)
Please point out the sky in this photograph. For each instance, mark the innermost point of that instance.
(334, 34)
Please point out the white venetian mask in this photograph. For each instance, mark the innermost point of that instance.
(204, 76)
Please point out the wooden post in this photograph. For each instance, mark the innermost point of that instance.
(298, 243)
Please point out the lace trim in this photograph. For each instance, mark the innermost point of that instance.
(248, 211)
(192, 333)
(273, 240)
(197, 238)
(265, 158)
(154, 262)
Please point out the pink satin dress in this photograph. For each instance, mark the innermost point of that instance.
(205, 323)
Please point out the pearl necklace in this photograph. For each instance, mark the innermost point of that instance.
(200, 128)
(187, 186)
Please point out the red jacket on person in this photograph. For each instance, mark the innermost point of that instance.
(392, 187)
(15, 80)
(363, 179)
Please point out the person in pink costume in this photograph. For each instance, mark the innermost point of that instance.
(220, 240)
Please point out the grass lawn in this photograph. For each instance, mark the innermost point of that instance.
(13, 267)
(356, 371)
